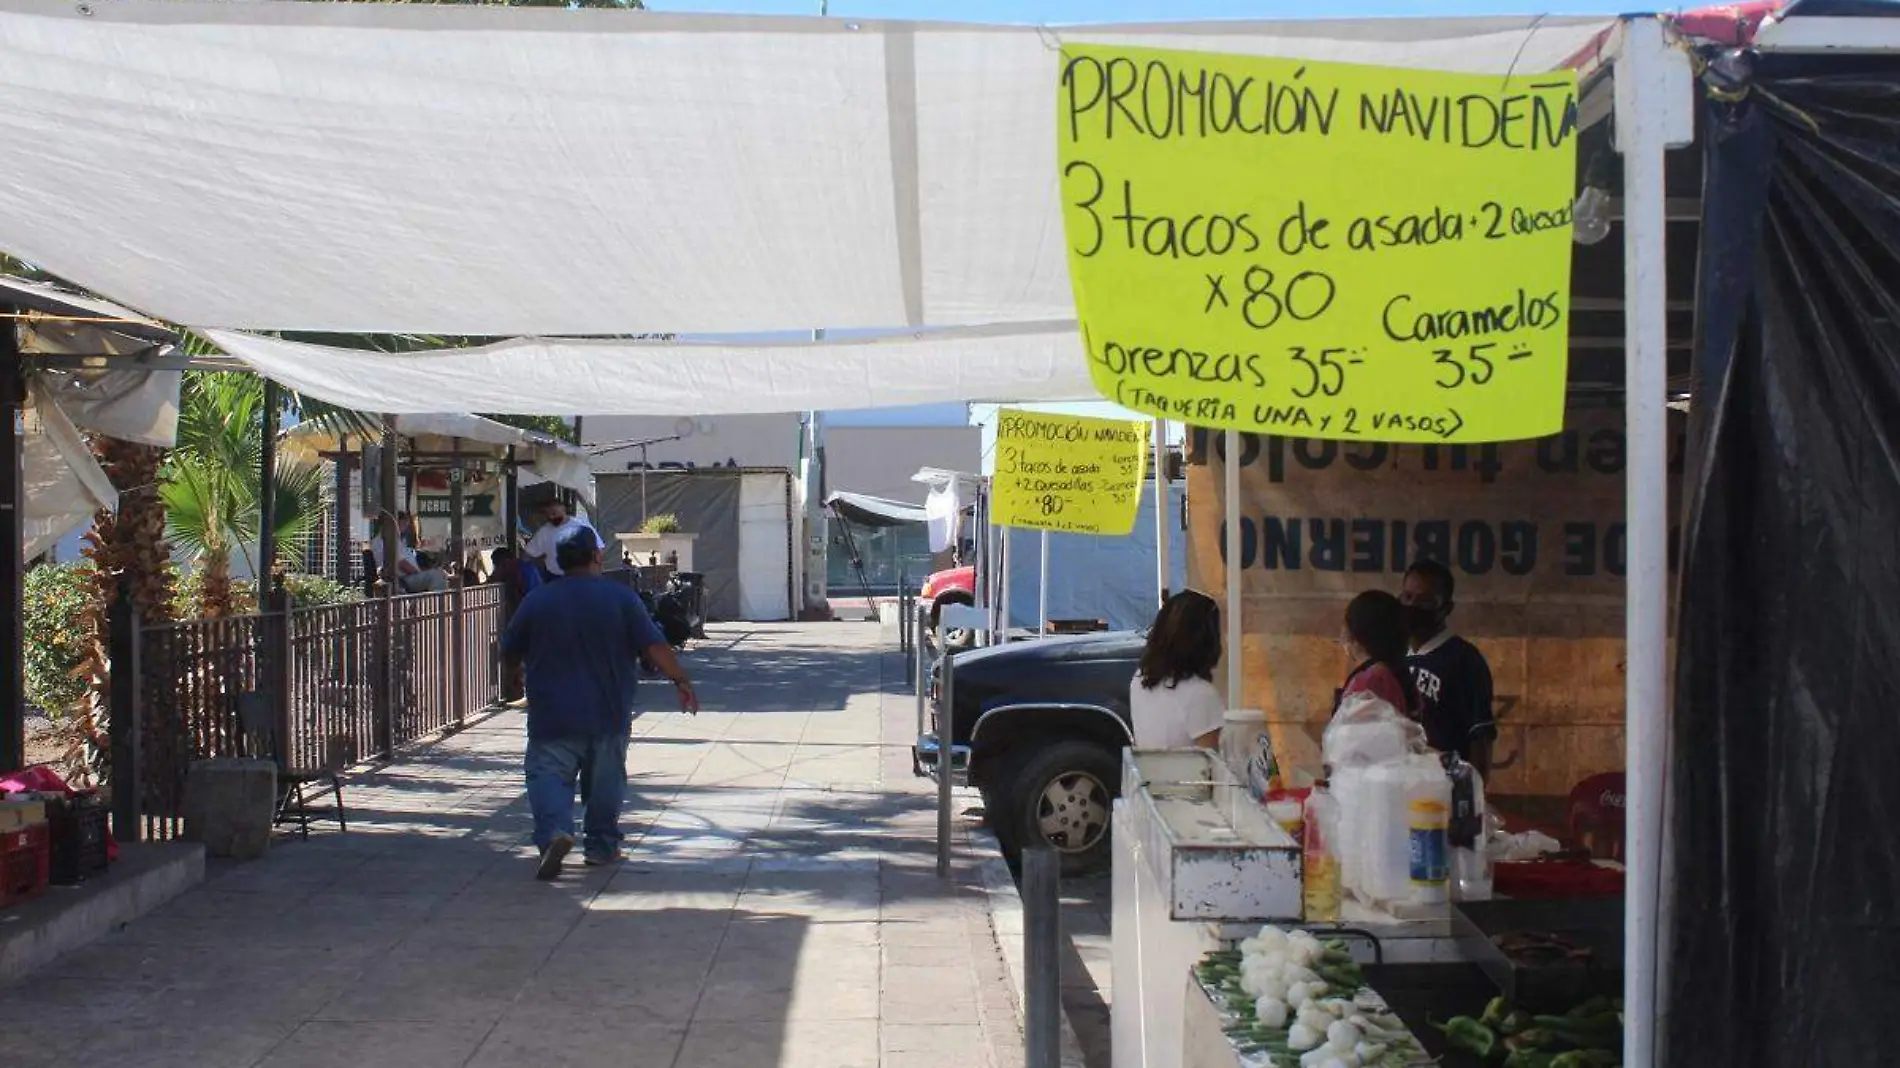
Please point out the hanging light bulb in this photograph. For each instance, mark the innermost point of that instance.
(1590, 213)
(1590, 216)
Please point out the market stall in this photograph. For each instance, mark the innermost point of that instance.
(450, 462)
(1290, 525)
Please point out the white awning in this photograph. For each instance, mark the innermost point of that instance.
(1038, 362)
(546, 457)
(518, 171)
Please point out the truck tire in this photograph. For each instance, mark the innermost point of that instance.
(959, 638)
(1063, 795)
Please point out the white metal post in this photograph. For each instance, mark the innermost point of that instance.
(920, 628)
(946, 760)
(1042, 590)
(1648, 117)
(1232, 510)
(1002, 578)
(1162, 556)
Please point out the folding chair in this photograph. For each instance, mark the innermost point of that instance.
(296, 787)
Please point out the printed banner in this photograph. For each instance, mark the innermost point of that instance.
(1320, 250)
(483, 526)
(1533, 533)
(1068, 473)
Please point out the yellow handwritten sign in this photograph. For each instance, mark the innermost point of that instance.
(1318, 249)
(1068, 473)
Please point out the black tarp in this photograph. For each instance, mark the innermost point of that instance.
(706, 503)
(1785, 765)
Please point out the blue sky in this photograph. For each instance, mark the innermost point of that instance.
(1058, 11)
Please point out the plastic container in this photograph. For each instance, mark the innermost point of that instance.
(1320, 886)
(77, 832)
(1378, 824)
(1471, 878)
(24, 857)
(1241, 732)
(1290, 814)
(1427, 820)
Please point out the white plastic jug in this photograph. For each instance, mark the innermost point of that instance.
(1392, 815)
(1240, 733)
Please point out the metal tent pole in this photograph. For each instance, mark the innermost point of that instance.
(456, 557)
(267, 490)
(1002, 578)
(1230, 506)
(1647, 117)
(345, 550)
(1042, 590)
(1163, 558)
(13, 568)
(511, 501)
(385, 704)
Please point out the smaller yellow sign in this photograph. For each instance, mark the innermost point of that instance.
(1068, 473)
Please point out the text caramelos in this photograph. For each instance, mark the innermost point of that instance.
(1404, 320)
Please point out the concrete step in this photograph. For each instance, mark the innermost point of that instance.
(145, 876)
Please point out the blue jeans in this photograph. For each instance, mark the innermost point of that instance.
(553, 766)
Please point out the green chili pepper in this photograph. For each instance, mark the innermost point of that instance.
(1467, 1034)
(1516, 1022)
(1588, 1033)
(1586, 1058)
(1596, 1006)
(1495, 1013)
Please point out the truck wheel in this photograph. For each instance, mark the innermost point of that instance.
(958, 638)
(1063, 796)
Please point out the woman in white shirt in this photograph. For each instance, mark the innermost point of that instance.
(1172, 698)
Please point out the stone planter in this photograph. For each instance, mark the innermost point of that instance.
(646, 549)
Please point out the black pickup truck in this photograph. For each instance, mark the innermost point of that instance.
(1046, 722)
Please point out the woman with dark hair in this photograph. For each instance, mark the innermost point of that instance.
(1172, 698)
(1376, 640)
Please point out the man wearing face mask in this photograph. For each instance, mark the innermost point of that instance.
(1452, 677)
(557, 528)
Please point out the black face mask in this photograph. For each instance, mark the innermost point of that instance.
(1423, 621)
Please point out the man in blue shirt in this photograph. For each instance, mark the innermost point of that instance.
(581, 639)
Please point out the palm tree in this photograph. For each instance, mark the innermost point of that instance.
(210, 489)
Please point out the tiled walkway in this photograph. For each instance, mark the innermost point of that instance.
(779, 908)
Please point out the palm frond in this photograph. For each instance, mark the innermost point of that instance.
(301, 492)
(199, 504)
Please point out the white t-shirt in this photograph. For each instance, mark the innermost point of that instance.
(542, 544)
(1172, 716)
(404, 554)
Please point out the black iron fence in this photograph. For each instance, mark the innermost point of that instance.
(311, 688)
(195, 678)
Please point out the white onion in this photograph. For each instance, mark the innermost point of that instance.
(1302, 1037)
(1343, 1036)
(1271, 1012)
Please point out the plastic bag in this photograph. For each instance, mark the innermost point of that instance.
(1529, 845)
(1367, 730)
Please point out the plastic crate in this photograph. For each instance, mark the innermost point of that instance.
(77, 846)
(24, 860)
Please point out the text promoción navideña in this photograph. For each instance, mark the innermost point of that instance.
(1320, 250)
(1069, 474)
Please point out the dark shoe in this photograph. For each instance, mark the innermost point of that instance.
(552, 856)
(601, 860)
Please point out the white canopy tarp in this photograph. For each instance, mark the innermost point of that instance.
(1034, 362)
(64, 486)
(518, 171)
